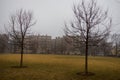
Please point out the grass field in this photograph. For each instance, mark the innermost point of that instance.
(58, 67)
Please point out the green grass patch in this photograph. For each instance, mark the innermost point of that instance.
(57, 67)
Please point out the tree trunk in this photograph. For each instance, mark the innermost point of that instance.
(86, 58)
(86, 53)
(21, 59)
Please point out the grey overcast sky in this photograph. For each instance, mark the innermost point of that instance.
(51, 14)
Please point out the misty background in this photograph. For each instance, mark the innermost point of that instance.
(51, 14)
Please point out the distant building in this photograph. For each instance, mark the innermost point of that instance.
(44, 44)
(60, 45)
(4, 43)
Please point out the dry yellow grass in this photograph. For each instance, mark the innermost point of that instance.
(57, 67)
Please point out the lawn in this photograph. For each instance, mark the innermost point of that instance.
(58, 67)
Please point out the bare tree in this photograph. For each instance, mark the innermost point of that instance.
(19, 27)
(90, 24)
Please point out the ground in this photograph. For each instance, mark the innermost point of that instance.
(58, 67)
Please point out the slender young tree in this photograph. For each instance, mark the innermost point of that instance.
(90, 24)
(19, 27)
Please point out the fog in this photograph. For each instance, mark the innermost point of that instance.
(51, 14)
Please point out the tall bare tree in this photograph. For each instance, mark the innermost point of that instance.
(90, 24)
(19, 27)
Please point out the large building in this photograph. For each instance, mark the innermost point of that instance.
(4, 43)
(60, 45)
(34, 44)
